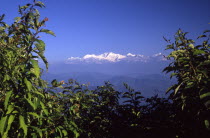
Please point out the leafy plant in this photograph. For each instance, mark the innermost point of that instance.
(30, 107)
(26, 110)
(190, 64)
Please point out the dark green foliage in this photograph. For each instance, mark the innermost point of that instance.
(190, 65)
(29, 107)
(98, 113)
(25, 108)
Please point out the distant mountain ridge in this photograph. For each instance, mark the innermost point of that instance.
(149, 84)
(110, 57)
(112, 63)
(141, 72)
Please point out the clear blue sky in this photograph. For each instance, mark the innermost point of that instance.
(120, 26)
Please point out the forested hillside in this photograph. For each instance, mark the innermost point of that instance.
(32, 108)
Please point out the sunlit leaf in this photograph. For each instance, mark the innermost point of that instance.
(31, 103)
(205, 95)
(40, 45)
(47, 31)
(36, 69)
(40, 4)
(10, 121)
(44, 108)
(34, 114)
(38, 130)
(207, 124)
(3, 124)
(177, 88)
(8, 95)
(23, 125)
(10, 109)
(28, 84)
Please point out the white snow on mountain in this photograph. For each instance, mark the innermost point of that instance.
(132, 55)
(158, 54)
(111, 57)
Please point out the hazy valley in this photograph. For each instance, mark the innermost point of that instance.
(142, 73)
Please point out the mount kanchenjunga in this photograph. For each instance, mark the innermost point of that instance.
(112, 63)
(113, 58)
(132, 69)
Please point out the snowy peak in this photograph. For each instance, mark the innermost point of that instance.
(158, 54)
(111, 57)
(132, 55)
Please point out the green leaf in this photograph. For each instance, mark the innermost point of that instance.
(207, 124)
(76, 133)
(15, 112)
(23, 125)
(201, 36)
(24, 7)
(206, 62)
(34, 114)
(44, 108)
(28, 84)
(47, 31)
(64, 133)
(36, 69)
(39, 4)
(39, 93)
(183, 106)
(3, 124)
(8, 95)
(170, 88)
(31, 103)
(41, 55)
(74, 129)
(5, 135)
(198, 52)
(10, 109)
(36, 102)
(17, 19)
(38, 130)
(59, 130)
(29, 95)
(204, 95)
(40, 45)
(177, 88)
(191, 45)
(34, 135)
(10, 120)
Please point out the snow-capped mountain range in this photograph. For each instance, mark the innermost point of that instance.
(111, 57)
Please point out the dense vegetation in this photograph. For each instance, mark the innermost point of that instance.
(29, 107)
